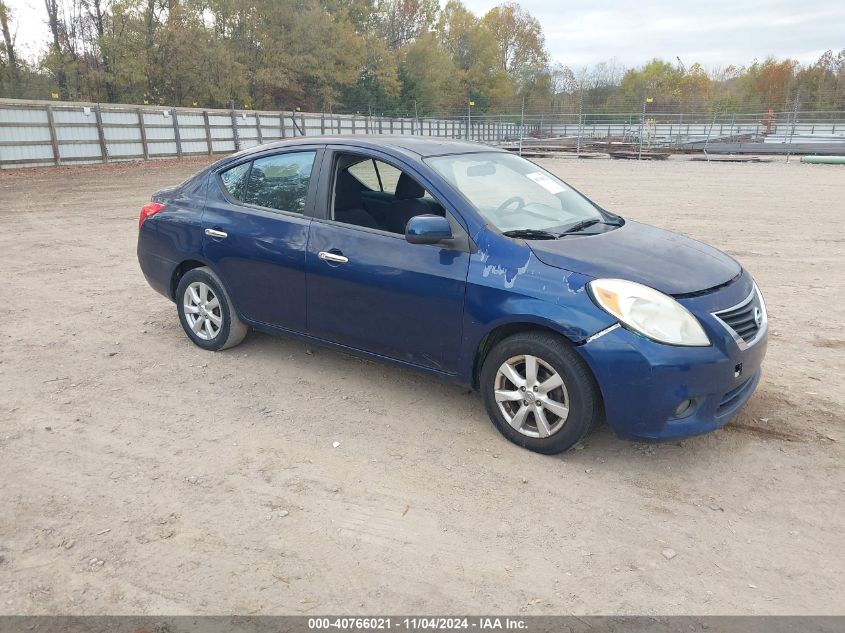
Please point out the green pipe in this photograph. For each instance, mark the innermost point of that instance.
(824, 160)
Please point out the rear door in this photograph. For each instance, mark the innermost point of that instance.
(256, 225)
(389, 297)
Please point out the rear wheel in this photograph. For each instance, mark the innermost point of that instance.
(539, 393)
(206, 312)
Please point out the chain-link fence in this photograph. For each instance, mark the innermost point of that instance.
(647, 134)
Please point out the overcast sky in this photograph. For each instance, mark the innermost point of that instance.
(585, 32)
(712, 32)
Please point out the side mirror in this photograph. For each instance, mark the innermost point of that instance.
(427, 229)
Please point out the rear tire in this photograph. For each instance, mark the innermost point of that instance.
(539, 392)
(206, 312)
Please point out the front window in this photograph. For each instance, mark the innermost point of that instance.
(517, 196)
(371, 194)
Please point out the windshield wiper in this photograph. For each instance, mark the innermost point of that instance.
(531, 234)
(580, 226)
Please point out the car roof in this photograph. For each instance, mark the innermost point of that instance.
(422, 146)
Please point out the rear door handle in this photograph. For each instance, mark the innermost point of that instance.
(220, 235)
(327, 256)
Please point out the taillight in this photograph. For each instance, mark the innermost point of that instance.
(148, 211)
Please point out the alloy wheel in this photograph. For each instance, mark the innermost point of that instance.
(202, 310)
(531, 396)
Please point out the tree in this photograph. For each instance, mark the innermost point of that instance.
(377, 86)
(694, 88)
(10, 59)
(97, 11)
(369, 56)
(768, 84)
(821, 83)
(56, 57)
(658, 80)
(474, 52)
(520, 42)
(429, 77)
(403, 21)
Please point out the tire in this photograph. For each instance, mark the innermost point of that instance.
(220, 327)
(556, 361)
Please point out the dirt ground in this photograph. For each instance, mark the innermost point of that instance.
(141, 474)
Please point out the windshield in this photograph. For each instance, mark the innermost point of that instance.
(514, 194)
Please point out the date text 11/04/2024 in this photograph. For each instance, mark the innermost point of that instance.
(417, 623)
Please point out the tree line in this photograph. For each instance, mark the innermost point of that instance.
(406, 57)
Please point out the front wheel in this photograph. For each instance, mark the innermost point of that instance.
(539, 392)
(206, 312)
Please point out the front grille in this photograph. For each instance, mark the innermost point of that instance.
(746, 320)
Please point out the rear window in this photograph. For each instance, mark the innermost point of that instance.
(280, 182)
(275, 182)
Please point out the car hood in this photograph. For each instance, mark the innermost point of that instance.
(666, 261)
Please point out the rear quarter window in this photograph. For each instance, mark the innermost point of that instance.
(235, 180)
(389, 176)
(365, 173)
(376, 175)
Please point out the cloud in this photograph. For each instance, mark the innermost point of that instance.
(714, 33)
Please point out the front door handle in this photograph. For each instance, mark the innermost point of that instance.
(220, 235)
(335, 258)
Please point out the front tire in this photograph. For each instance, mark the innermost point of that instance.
(206, 311)
(539, 392)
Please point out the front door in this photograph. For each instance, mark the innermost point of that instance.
(370, 289)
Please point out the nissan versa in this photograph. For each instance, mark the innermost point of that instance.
(470, 263)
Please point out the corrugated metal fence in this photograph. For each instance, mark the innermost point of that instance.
(37, 133)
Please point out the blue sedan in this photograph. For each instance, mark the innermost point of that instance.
(469, 263)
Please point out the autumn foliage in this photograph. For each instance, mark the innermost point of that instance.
(368, 56)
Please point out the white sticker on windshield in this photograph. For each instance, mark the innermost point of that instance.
(545, 182)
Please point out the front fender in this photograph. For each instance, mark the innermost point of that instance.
(508, 286)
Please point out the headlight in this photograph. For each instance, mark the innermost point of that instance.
(648, 312)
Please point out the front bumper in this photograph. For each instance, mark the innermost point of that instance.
(643, 382)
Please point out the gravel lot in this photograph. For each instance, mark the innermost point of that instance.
(141, 474)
